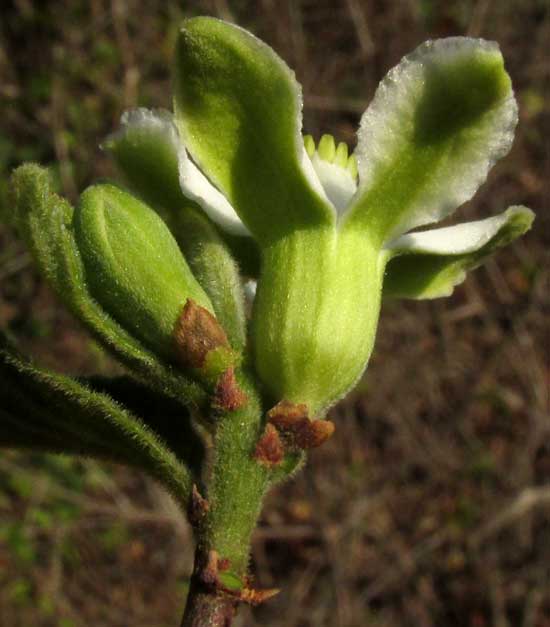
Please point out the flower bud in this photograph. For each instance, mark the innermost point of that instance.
(134, 267)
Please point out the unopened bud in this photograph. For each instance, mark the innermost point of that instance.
(134, 268)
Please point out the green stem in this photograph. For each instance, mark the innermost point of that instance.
(235, 490)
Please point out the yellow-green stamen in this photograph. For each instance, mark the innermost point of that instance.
(329, 152)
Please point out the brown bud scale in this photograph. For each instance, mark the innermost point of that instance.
(269, 450)
(209, 571)
(228, 396)
(253, 596)
(211, 565)
(197, 333)
(297, 428)
(198, 507)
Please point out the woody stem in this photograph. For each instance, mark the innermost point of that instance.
(206, 607)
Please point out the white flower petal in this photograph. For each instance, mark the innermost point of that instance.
(149, 150)
(450, 240)
(155, 122)
(337, 182)
(239, 109)
(312, 176)
(431, 263)
(145, 149)
(438, 122)
(197, 187)
(250, 287)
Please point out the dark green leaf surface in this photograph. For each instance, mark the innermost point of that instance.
(47, 411)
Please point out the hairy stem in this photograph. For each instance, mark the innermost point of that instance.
(235, 489)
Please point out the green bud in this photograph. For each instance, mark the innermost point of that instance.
(214, 268)
(46, 223)
(133, 265)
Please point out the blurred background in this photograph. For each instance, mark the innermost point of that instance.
(430, 506)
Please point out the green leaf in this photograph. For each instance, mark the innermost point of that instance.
(45, 221)
(133, 266)
(432, 263)
(43, 410)
(165, 417)
(238, 110)
(437, 124)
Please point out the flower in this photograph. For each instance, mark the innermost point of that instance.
(334, 232)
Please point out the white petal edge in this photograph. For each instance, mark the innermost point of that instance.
(156, 122)
(194, 185)
(453, 240)
(250, 288)
(140, 125)
(304, 162)
(312, 176)
(391, 115)
(338, 184)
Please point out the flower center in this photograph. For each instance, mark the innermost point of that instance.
(328, 152)
(336, 169)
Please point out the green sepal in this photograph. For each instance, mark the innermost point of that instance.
(45, 221)
(133, 265)
(238, 110)
(290, 466)
(315, 315)
(40, 409)
(420, 275)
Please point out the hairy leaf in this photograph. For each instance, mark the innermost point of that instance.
(45, 221)
(40, 409)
